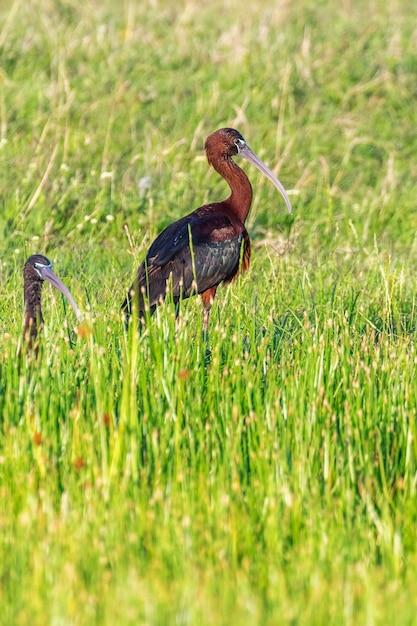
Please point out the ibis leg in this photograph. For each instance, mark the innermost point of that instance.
(207, 297)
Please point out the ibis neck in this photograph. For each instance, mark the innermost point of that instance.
(33, 311)
(240, 200)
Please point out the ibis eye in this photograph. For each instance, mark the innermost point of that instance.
(40, 267)
(239, 143)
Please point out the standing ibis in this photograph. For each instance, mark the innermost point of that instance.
(207, 247)
(37, 269)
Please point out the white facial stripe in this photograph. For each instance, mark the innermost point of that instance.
(239, 143)
(38, 267)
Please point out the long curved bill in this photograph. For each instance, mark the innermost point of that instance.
(249, 155)
(48, 274)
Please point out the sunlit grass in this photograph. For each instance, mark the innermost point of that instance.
(272, 480)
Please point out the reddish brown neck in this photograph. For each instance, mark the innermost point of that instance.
(240, 200)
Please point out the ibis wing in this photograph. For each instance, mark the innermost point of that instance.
(173, 239)
(206, 225)
(205, 266)
(188, 272)
(181, 265)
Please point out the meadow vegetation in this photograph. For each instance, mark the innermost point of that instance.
(275, 482)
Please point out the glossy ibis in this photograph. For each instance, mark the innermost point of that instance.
(37, 269)
(207, 247)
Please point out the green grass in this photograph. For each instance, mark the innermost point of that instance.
(140, 481)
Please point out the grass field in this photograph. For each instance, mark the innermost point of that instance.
(275, 483)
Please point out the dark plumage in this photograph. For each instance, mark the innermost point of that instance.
(207, 247)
